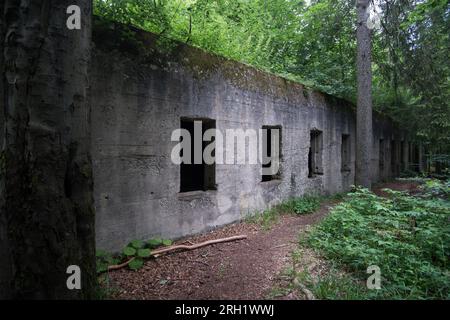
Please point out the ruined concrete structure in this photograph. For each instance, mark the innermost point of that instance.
(144, 89)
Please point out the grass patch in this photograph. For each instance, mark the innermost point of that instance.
(105, 290)
(334, 285)
(407, 237)
(265, 219)
(277, 292)
(301, 205)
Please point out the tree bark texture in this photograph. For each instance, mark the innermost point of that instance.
(46, 202)
(364, 99)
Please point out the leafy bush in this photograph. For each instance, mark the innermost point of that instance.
(437, 188)
(306, 205)
(407, 237)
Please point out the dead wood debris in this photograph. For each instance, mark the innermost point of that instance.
(156, 253)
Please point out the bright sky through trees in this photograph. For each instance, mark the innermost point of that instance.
(314, 42)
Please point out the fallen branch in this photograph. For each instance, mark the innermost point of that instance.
(158, 252)
(119, 266)
(196, 246)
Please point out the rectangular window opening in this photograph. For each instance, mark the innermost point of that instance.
(315, 153)
(402, 155)
(268, 147)
(416, 157)
(410, 153)
(201, 176)
(381, 154)
(394, 157)
(393, 153)
(345, 153)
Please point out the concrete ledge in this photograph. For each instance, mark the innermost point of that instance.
(192, 195)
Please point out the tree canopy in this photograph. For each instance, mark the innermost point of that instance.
(314, 42)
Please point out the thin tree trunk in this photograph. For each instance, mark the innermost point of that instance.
(364, 103)
(5, 264)
(46, 174)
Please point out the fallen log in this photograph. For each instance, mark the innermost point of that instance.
(158, 252)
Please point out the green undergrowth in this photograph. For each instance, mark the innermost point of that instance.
(135, 252)
(296, 206)
(436, 188)
(407, 237)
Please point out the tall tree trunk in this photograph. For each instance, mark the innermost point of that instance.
(364, 103)
(5, 264)
(47, 216)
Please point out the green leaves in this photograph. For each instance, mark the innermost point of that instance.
(101, 254)
(136, 264)
(129, 251)
(137, 244)
(408, 237)
(105, 259)
(154, 243)
(316, 45)
(144, 253)
(137, 250)
(306, 205)
(302, 205)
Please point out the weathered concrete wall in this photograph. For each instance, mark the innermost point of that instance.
(138, 100)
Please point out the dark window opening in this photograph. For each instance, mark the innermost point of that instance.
(410, 152)
(393, 153)
(416, 157)
(202, 176)
(381, 154)
(315, 154)
(345, 153)
(268, 147)
(402, 155)
(394, 156)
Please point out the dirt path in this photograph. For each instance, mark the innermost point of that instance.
(404, 185)
(245, 269)
(237, 270)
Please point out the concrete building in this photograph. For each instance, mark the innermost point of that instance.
(143, 89)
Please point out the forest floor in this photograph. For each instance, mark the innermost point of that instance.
(254, 268)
